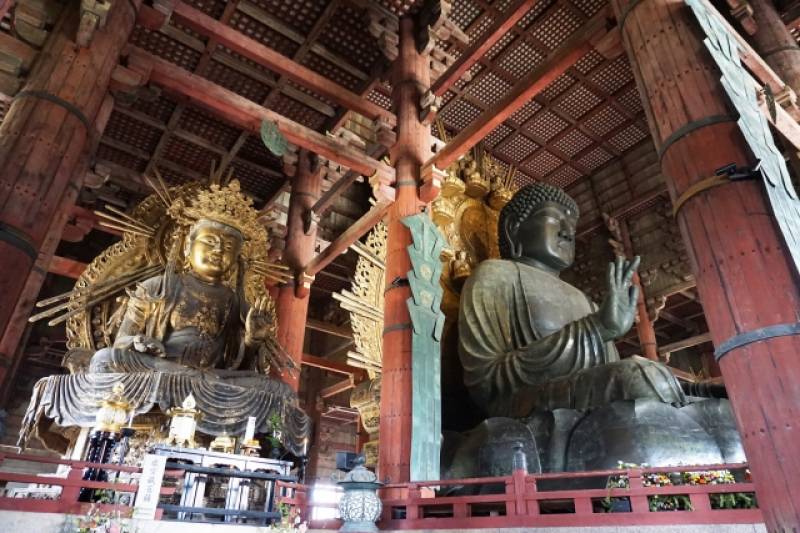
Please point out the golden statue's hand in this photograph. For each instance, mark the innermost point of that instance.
(149, 345)
(257, 323)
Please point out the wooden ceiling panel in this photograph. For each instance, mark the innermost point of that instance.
(208, 127)
(573, 143)
(344, 35)
(545, 125)
(212, 8)
(631, 100)
(564, 176)
(173, 176)
(189, 155)
(595, 158)
(237, 82)
(465, 12)
(542, 163)
(555, 27)
(294, 110)
(262, 33)
(300, 15)
(489, 89)
(589, 7)
(589, 62)
(613, 76)
(333, 72)
(604, 121)
(516, 148)
(526, 22)
(460, 114)
(557, 87)
(520, 58)
(578, 101)
(496, 135)
(160, 109)
(133, 132)
(627, 138)
(256, 181)
(114, 155)
(165, 47)
(379, 97)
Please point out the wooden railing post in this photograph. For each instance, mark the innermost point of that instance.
(639, 503)
(518, 479)
(412, 505)
(69, 494)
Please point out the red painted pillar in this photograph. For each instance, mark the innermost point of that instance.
(744, 276)
(43, 138)
(411, 76)
(775, 43)
(644, 326)
(292, 304)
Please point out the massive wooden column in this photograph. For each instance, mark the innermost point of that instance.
(775, 44)
(744, 276)
(411, 77)
(301, 235)
(42, 140)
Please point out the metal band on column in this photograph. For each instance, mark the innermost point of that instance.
(760, 334)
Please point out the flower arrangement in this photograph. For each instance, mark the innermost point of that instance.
(290, 521)
(674, 502)
(97, 521)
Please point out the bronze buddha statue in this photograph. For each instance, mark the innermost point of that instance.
(538, 357)
(528, 339)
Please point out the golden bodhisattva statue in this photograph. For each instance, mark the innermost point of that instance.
(196, 319)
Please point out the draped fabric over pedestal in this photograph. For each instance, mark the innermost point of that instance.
(72, 400)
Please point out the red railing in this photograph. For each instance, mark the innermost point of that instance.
(522, 500)
(519, 500)
(66, 501)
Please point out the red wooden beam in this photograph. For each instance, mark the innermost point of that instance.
(478, 49)
(63, 266)
(350, 235)
(248, 115)
(333, 366)
(338, 388)
(554, 66)
(225, 35)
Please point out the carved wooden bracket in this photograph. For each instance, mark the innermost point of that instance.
(302, 285)
(431, 178)
(385, 27)
(157, 16)
(429, 105)
(93, 17)
(742, 11)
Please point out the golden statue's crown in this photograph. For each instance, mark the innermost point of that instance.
(227, 205)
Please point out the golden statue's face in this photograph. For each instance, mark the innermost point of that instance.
(213, 249)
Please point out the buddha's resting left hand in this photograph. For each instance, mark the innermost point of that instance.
(619, 306)
(257, 322)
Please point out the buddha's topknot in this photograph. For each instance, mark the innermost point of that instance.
(526, 201)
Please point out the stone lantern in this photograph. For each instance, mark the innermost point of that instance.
(360, 506)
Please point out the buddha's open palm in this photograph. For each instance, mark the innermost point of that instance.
(619, 306)
(258, 321)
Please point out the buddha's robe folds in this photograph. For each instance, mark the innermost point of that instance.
(528, 340)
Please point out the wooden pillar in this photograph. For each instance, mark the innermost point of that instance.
(775, 44)
(43, 138)
(744, 276)
(292, 304)
(411, 77)
(644, 326)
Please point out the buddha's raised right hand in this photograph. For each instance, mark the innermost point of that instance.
(619, 306)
